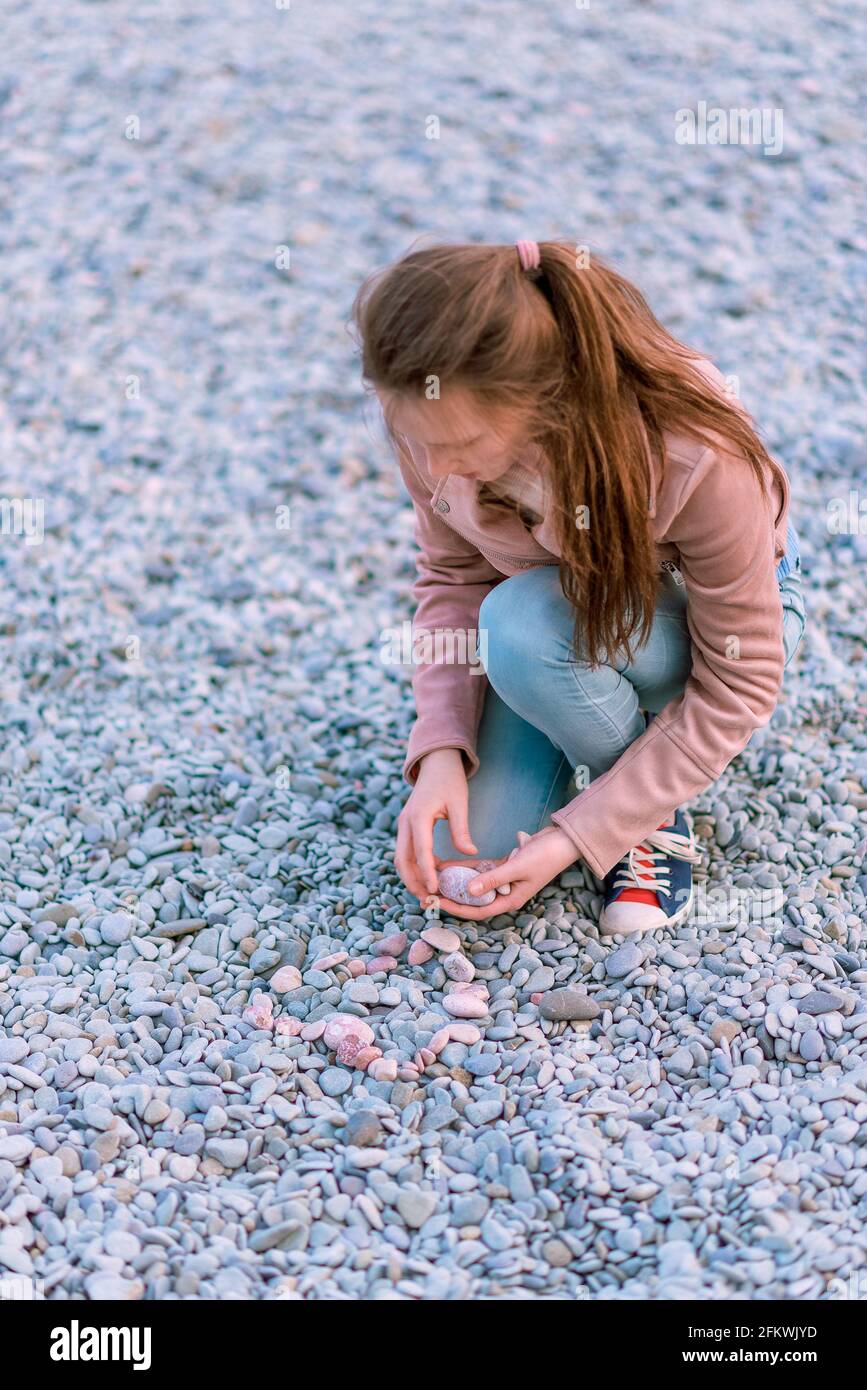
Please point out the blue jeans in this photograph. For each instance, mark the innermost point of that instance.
(534, 732)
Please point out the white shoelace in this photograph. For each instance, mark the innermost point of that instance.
(654, 875)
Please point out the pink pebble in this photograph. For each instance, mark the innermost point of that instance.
(440, 1040)
(427, 1057)
(453, 883)
(383, 1069)
(393, 945)
(327, 962)
(340, 1026)
(311, 1031)
(462, 1032)
(363, 1059)
(349, 1048)
(356, 967)
(477, 987)
(286, 978)
(465, 1005)
(420, 953)
(536, 998)
(442, 938)
(380, 963)
(292, 1027)
(459, 967)
(408, 1072)
(259, 1012)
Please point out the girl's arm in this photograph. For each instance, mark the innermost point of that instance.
(453, 579)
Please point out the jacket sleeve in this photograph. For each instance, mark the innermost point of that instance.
(453, 579)
(724, 531)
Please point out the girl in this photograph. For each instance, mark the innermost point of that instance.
(594, 508)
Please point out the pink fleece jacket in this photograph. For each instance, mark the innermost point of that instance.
(710, 518)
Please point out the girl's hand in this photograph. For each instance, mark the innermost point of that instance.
(539, 860)
(440, 793)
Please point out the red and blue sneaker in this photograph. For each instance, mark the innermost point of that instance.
(651, 887)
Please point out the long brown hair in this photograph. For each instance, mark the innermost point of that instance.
(576, 347)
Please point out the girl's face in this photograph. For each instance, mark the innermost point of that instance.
(458, 434)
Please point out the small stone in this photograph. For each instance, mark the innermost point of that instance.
(363, 1129)
(724, 1029)
(329, 962)
(274, 836)
(383, 1069)
(465, 1005)
(349, 1048)
(292, 952)
(624, 960)
(485, 1064)
(111, 1288)
(289, 1027)
(420, 953)
(183, 1167)
(363, 1058)
(458, 967)
(363, 991)
(259, 1012)
(541, 979)
(16, 1148)
(442, 938)
(681, 1062)
(334, 1081)
(557, 1253)
(820, 1001)
(452, 884)
(568, 1004)
(311, 1032)
(470, 1210)
(393, 945)
(381, 963)
(466, 1033)
(416, 1206)
(115, 928)
(482, 1112)
(811, 1045)
(287, 978)
(59, 913)
(495, 1235)
(232, 1153)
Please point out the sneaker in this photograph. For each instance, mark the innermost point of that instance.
(652, 886)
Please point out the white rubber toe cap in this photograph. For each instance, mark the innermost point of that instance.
(627, 919)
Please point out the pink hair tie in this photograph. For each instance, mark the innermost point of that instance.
(528, 254)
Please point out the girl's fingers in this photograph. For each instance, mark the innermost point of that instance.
(459, 827)
(504, 903)
(422, 839)
(404, 860)
(492, 878)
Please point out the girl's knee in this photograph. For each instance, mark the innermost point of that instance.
(521, 628)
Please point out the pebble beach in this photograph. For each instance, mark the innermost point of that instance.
(237, 1061)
